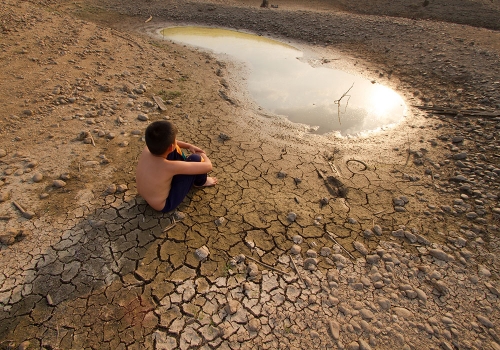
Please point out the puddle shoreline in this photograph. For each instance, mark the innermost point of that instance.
(281, 80)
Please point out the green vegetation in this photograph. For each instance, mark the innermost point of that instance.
(169, 95)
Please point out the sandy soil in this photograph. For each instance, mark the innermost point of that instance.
(77, 76)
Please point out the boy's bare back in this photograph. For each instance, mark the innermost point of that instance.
(154, 179)
(154, 173)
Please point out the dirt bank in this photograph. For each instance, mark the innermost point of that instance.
(387, 242)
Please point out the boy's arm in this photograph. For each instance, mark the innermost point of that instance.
(191, 168)
(190, 147)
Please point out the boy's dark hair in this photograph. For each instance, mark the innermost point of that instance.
(159, 136)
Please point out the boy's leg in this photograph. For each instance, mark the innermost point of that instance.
(181, 184)
(174, 155)
(199, 180)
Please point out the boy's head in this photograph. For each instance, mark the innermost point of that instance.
(159, 136)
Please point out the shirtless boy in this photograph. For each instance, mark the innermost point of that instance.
(164, 176)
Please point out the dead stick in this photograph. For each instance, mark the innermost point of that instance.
(18, 206)
(334, 169)
(92, 139)
(379, 212)
(6, 218)
(341, 246)
(170, 226)
(297, 270)
(268, 266)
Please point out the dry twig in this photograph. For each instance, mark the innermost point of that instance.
(297, 270)
(341, 246)
(18, 206)
(268, 266)
(335, 169)
(169, 227)
(92, 139)
(337, 102)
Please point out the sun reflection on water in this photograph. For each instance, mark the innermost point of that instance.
(281, 82)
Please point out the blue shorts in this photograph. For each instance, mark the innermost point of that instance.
(181, 184)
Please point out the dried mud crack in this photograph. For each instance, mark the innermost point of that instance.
(383, 242)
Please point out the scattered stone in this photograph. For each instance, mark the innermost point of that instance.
(325, 251)
(121, 188)
(310, 264)
(224, 137)
(485, 321)
(291, 216)
(49, 300)
(460, 156)
(24, 345)
(364, 345)
(441, 255)
(250, 244)
(254, 325)
(366, 314)
(311, 253)
(220, 221)
(282, 175)
(441, 287)
(59, 183)
(111, 189)
(232, 307)
(402, 312)
(372, 259)
(368, 233)
(296, 249)
(334, 329)
(37, 177)
(4, 196)
(457, 139)
(202, 253)
(482, 271)
(252, 270)
(360, 247)
(179, 215)
(143, 117)
(12, 236)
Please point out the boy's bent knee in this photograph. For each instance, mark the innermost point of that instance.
(194, 158)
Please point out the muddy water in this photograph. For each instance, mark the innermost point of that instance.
(283, 82)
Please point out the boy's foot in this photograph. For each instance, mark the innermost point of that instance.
(211, 181)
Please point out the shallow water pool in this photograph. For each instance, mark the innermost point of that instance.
(281, 82)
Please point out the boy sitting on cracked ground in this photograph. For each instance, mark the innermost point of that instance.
(164, 175)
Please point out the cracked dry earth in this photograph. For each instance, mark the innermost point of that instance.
(299, 246)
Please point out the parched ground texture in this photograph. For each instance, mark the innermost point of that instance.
(387, 241)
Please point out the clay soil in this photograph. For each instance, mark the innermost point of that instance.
(76, 77)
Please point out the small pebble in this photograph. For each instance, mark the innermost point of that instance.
(59, 183)
(37, 177)
(202, 253)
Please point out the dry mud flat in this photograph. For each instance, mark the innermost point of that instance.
(252, 263)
